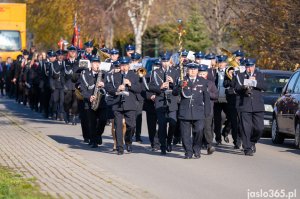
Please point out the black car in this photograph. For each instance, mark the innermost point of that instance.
(286, 115)
(275, 80)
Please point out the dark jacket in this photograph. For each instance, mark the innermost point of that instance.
(164, 101)
(56, 77)
(195, 99)
(119, 102)
(69, 70)
(253, 102)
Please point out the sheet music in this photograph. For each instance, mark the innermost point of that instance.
(250, 82)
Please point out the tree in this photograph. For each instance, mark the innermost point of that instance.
(138, 13)
(269, 30)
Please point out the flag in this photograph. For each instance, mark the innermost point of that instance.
(79, 40)
(75, 33)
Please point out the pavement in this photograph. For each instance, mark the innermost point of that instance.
(78, 171)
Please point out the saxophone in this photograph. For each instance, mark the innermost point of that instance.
(98, 92)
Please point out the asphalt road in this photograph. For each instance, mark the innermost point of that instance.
(225, 174)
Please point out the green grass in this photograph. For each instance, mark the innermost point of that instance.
(14, 186)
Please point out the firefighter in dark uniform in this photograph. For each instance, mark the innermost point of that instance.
(123, 87)
(88, 84)
(70, 100)
(213, 69)
(87, 54)
(34, 81)
(194, 107)
(250, 105)
(163, 80)
(208, 123)
(199, 56)
(45, 86)
(129, 50)
(57, 86)
(135, 58)
(149, 108)
(231, 102)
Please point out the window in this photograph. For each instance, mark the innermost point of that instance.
(292, 82)
(274, 81)
(10, 40)
(297, 87)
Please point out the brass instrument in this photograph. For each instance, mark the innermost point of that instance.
(141, 72)
(232, 63)
(98, 92)
(78, 94)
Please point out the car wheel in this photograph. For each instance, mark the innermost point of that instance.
(297, 136)
(277, 138)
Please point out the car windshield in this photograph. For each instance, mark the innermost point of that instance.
(10, 40)
(274, 82)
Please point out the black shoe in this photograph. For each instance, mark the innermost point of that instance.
(95, 145)
(226, 139)
(236, 147)
(90, 143)
(99, 141)
(211, 150)
(197, 156)
(61, 117)
(67, 119)
(176, 141)
(188, 157)
(114, 150)
(249, 153)
(163, 152)
(253, 148)
(139, 140)
(86, 140)
(129, 148)
(169, 148)
(120, 152)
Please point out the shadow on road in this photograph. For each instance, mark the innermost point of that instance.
(287, 146)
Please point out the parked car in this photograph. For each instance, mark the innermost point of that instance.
(275, 80)
(286, 115)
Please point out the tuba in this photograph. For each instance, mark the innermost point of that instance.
(141, 72)
(232, 63)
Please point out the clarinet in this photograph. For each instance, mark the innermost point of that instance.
(122, 82)
(166, 95)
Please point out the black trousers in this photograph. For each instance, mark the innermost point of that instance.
(70, 102)
(2, 86)
(165, 117)
(102, 120)
(208, 132)
(58, 100)
(218, 108)
(151, 125)
(251, 126)
(139, 118)
(83, 120)
(129, 117)
(92, 124)
(46, 95)
(233, 120)
(34, 97)
(192, 145)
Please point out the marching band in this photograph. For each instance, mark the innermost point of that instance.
(184, 101)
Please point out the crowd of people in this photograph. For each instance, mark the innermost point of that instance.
(184, 102)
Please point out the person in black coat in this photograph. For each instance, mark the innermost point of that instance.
(250, 105)
(163, 80)
(88, 84)
(194, 107)
(2, 77)
(57, 80)
(208, 125)
(70, 100)
(124, 86)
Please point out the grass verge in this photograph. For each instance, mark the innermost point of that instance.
(14, 186)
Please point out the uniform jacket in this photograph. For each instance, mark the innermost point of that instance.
(254, 102)
(56, 77)
(126, 102)
(195, 99)
(69, 70)
(163, 101)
